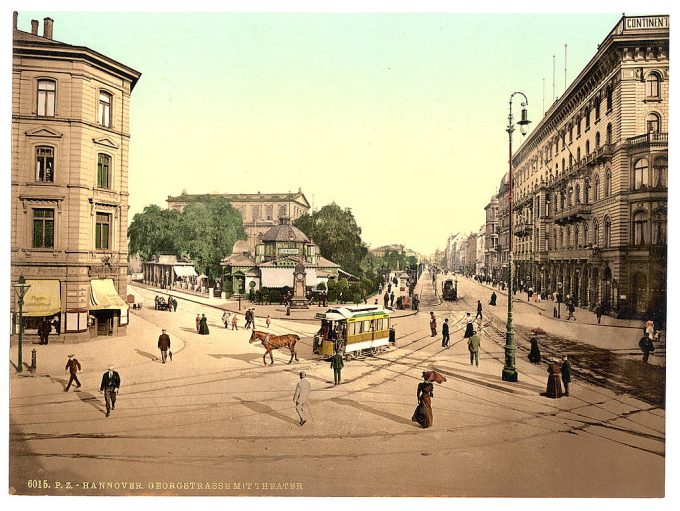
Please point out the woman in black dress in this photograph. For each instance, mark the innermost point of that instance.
(534, 353)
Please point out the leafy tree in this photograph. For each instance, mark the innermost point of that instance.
(154, 232)
(337, 234)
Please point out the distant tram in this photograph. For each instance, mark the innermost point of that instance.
(353, 330)
(449, 291)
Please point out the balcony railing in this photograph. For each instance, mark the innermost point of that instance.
(574, 213)
(570, 253)
(649, 139)
(523, 229)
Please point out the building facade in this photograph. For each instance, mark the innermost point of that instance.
(491, 239)
(69, 210)
(590, 182)
(259, 211)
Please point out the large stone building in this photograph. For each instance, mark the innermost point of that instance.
(259, 211)
(590, 182)
(491, 239)
(69, 209)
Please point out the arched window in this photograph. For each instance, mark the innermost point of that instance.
(571, 133)
(555, 238)
(47, 90)
(578, 154)
(610, 98)
(562, 200)
(660, 172)
(640, 228)
(104, 113)
(578, 127)
(585, 233)
(561, 238)
(256, 213)
(586, 192)
(282, 211)
(577, 194)
(587, 147)
(597, 140)
(569, 195)
(653, 123)
(659, 228)
(270, 212)
(103, 171)
(563, 165)
(596, 232)
(608, 183)
(577, 239)
(608, 136)
(607, 232)
(596, 189)
(652, 85)
(44, 164)
(641, 174)
(571, 160)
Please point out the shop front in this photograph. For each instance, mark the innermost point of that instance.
(108, 313)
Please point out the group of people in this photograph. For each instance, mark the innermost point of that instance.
(202, 324)
(556, 369)
(109, 386)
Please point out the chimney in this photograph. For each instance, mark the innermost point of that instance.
(16, 17)
(34, 27)
(48, 24)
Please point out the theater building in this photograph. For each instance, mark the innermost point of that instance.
(69, 200)
(590, 182)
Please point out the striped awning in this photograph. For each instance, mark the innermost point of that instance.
(184, 271)
(43, 298)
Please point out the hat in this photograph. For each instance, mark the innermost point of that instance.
(110, 367)
(71, 355)
(163, 330)
(302, 374)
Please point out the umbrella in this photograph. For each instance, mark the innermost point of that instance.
(538, 331)
(434, 376)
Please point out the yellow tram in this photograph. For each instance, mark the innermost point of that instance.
(352, 330)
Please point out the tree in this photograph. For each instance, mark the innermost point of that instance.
(154, 232)
(337, 234)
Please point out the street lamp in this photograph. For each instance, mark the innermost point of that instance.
(20, 288)
(509, 369)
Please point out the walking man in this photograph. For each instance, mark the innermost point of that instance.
(234, 322)
(301, 396)
(72, 366)
(565, 369)
(109, 386)
(44, 331)
(473, 346)
(571, 309)
(433, 324)
(445, 333)
(599, 309)
(392, 299)
(479, 310)
(198, 322)
(164, 345)
(647, 346)
(386, 300)
(337, 364)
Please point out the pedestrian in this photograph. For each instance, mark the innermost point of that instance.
(554, 387)
(234, 322)
(492, 301)
(252, 315)
(44, 331)
(565, 369)
(225, 319)
(433, 324)
(392, 299)
(423, 413)
(571, 309)
(599, 310)
(386, 300)
(445, 333)
(649, 329)
(72, 366)
(337, 364)
(647, 347)
(198, 323)
(203, 326)
(174, 304)
(473, 346)
(110, 386)
(164, 344)
(469, 328)
(479, 310)
(530, 294)
(56, 324)
(268, 321)
(301, 396)
(170, 304)
(534, 352)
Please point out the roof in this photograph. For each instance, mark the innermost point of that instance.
(238, 260)
(322, 262)
(284, 232)
(242, 197)
(240, 247)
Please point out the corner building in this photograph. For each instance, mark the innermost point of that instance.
(590, 182)
(69, 210)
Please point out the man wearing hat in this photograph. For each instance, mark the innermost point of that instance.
(300, 397)
(73, 366)
(110, 385)
(164, 345)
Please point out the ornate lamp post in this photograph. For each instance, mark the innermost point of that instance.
(509, 369)
(20, 288)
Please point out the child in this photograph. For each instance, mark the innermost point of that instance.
(268, 321)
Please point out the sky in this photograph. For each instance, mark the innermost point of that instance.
(399, 116)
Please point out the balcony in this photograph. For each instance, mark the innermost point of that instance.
(570, 254)
(572, 214)
(601, 154)
(648, 140)
(523, 229)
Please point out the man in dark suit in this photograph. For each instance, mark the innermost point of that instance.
(73, 366)
(164, 345)
(110, 385)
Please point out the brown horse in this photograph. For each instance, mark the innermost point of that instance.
(272, 342)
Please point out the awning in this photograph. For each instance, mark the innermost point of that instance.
(43, 298)
(184, 271)
(103, 295)
(277, 277)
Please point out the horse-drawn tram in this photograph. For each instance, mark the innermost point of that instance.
(353, 329)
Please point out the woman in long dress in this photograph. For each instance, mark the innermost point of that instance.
(423, 413)
(554, 387)
(534, 353)
(469, 327)
(203, 326)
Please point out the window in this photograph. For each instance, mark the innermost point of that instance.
(660, 172)
(256, 213)
(596, 232)
(46, 94)
(104, 171)
(44, 164)
(562, 165)
(608, 137)
(641, 174)
(578, 127)
(587, 119)
(597, 109)
(607, 232)
(607, 183)
(659, 228)
(586, 192)
(104, 109)
(103, 231)
(571, 133)
(585, 233)
(282, 211)
(270, 212)
(569, 195)
(568, 237)
(577, 240)
(610, 101)
(653, 123)
(587, 147)
(596, 189)
(597, 140)
(43, 228)
(652, 85)
(639, 228)
(578, 154)
(577, 194)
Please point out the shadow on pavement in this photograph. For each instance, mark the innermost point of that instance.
(493, 386)
(386, 415)
(265, 409)
(90, 399)
(145, 354)
(249, 358)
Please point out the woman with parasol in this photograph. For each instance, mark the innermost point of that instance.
(423, 412)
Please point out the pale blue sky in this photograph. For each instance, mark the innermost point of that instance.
(399, 116)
